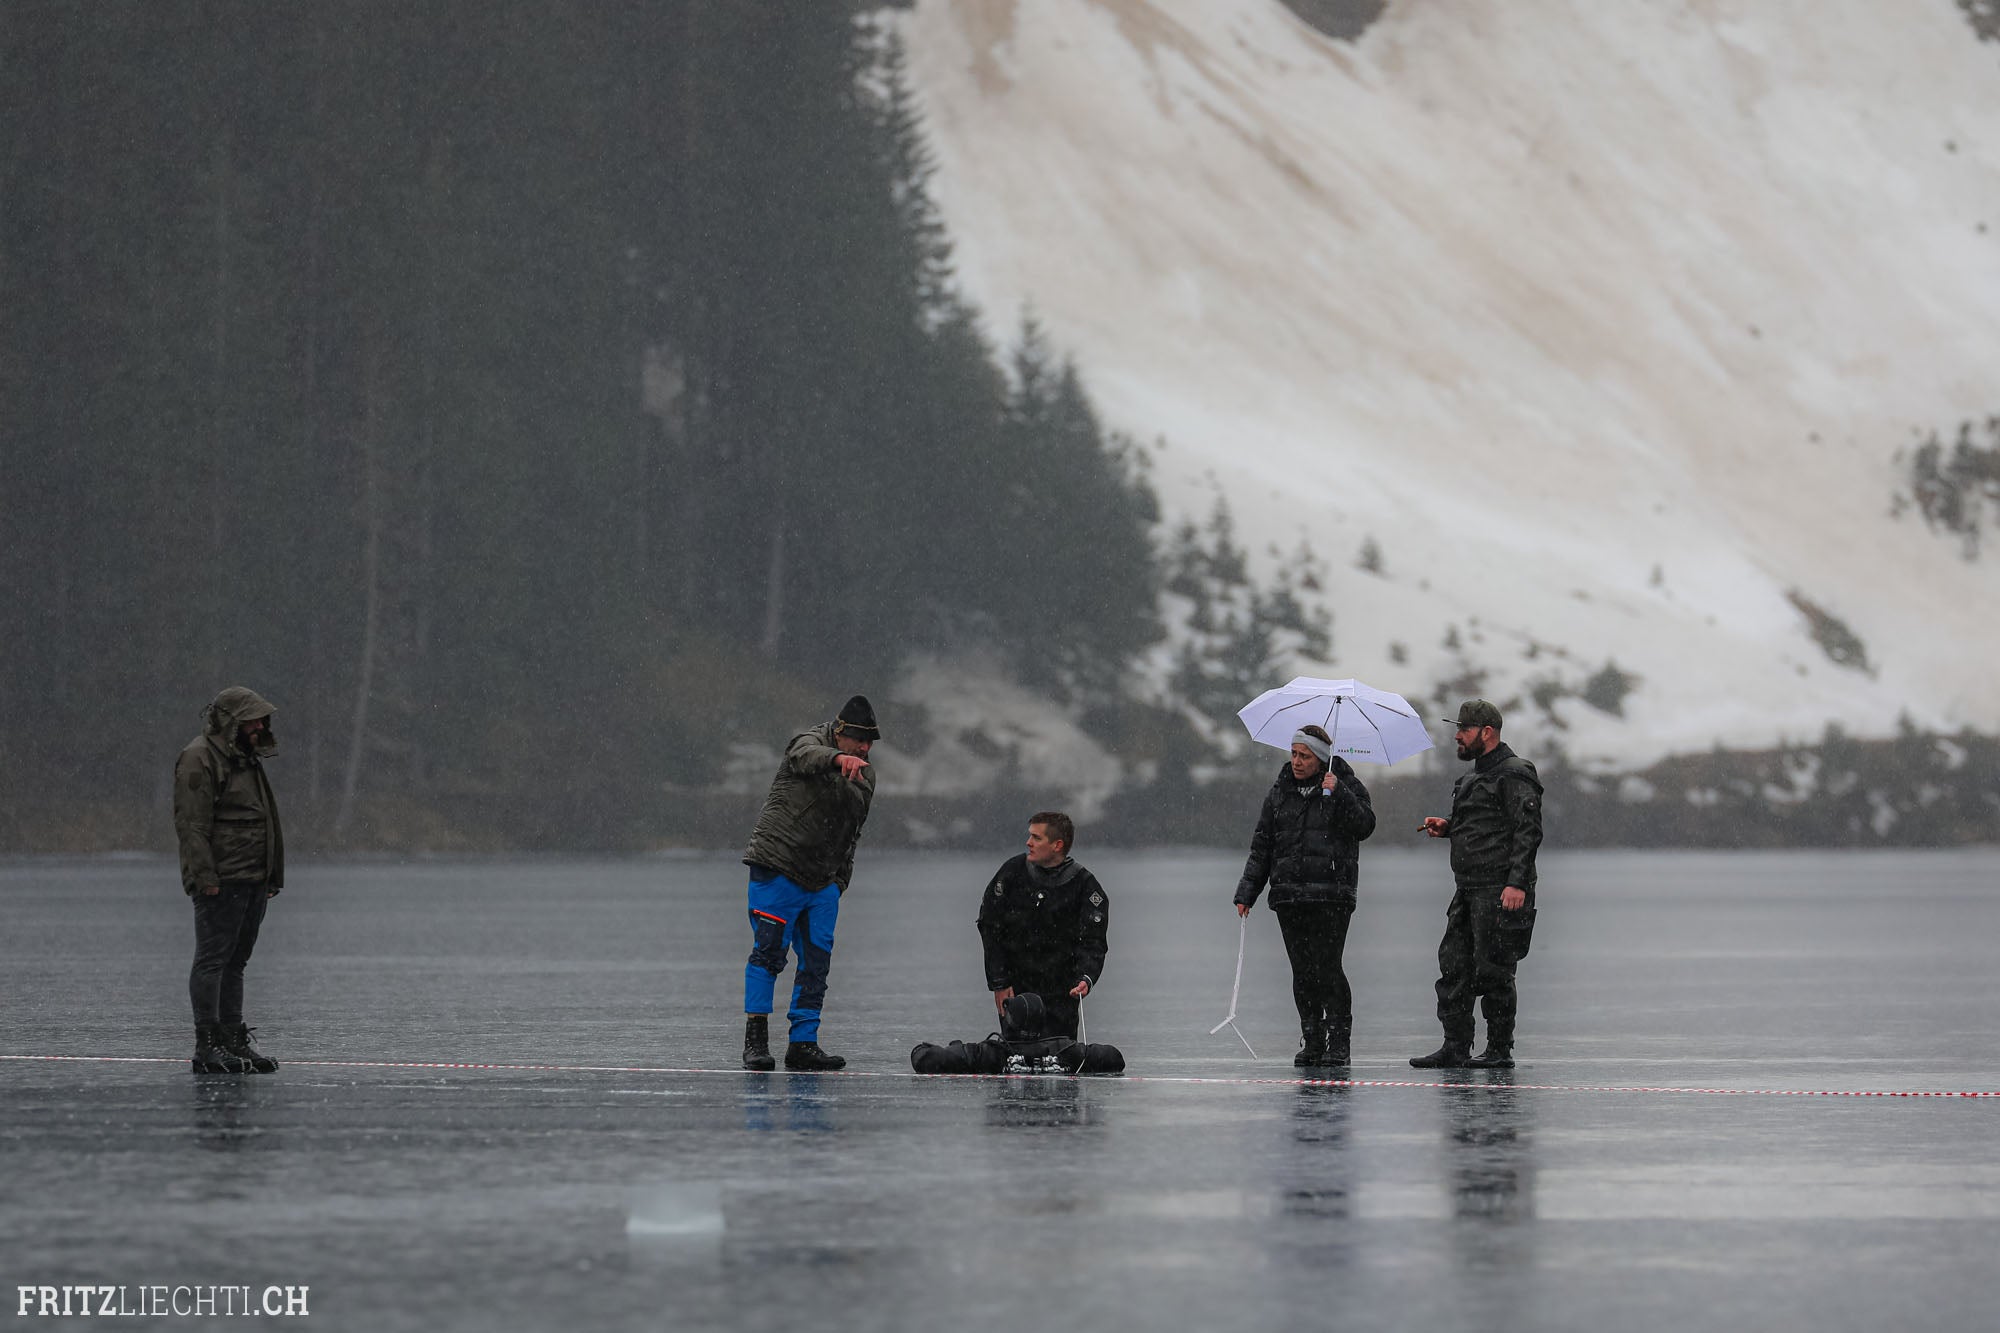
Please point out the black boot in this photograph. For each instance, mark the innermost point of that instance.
(236, 1039)
(1497, 1055)
(1312, 1038)
(1451, 1055)
(807, 1056)
(211, 1056)
(757, 1042)
(1333, 1053)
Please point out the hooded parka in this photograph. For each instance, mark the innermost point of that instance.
(225, 814)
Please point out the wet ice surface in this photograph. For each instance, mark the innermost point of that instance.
(414, 1198)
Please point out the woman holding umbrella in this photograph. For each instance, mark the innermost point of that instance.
(1307, 847)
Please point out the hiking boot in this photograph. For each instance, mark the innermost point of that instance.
(1333, 1048)
(1451, 1055)
(1493, 1057)
(211, 1056)
(236, 1040)
(757, 1043)
(807, 1056)
(1312, 1038)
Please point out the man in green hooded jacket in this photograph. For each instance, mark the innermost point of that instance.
(232, 865)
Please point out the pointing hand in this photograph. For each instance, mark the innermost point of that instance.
(850, 765)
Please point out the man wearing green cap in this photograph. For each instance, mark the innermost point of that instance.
(801, 857)
(232, 864)
(1495, 827)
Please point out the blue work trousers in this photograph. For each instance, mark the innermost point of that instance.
(787, 916)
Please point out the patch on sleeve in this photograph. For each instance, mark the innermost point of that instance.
(999, 886)
(1096, 898)
(1097, 918)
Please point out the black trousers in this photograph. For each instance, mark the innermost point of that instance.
(1471, 967)
(1059, 1007)
(1315, 938)
(225, 931)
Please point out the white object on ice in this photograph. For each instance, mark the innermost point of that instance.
(676, 1211)
(1242, 937)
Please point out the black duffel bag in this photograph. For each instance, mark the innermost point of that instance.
(1018, 1048)
(958, 1057)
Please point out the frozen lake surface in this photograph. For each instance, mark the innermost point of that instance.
(646, 1194)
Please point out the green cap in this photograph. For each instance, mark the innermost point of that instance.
(1476, 713)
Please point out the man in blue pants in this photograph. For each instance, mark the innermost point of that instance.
(801, 857)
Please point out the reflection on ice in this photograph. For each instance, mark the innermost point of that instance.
(226, 1112)
(1319, 1176)
(1490, 1155)
(1051, 1102)
(798, 1103)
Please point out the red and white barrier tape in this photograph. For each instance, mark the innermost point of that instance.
(1125, 1078)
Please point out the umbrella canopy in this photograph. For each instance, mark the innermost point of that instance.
(1368, 726)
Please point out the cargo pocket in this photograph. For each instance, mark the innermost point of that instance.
(1513, 932)
(239, 853)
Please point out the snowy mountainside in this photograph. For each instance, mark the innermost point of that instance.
(1604, 322)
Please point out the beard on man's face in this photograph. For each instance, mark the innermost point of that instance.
(1469, 750)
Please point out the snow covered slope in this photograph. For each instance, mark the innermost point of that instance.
(1605, 319)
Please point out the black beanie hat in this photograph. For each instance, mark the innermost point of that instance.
(856, 718)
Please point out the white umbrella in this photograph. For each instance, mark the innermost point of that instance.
(1368, 726)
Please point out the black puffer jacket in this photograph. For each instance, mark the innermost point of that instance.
(1308, 843)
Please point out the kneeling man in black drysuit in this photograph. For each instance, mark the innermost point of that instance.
(1043, 923)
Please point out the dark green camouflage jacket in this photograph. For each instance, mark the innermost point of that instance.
(225, 814)
(1496, 822)
(811, 821)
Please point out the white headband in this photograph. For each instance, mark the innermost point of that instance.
(1315, 744)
